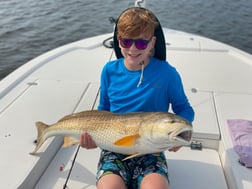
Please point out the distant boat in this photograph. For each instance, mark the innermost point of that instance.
(217, 79)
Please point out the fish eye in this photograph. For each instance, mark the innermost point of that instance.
(172, 121)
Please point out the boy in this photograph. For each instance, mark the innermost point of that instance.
(139, 80)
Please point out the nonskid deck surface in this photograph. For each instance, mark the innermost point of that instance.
(66, 80)
(187, 168)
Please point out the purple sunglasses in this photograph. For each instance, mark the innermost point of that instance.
(140, 44)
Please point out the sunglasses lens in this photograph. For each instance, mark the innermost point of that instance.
(141, 44)
(126, 43)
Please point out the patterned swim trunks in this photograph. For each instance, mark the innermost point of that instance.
(132, 170)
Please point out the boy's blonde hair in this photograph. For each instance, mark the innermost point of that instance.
(136, 21)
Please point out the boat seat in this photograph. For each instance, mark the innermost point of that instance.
(233, 106)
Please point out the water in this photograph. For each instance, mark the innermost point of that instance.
(31, 27)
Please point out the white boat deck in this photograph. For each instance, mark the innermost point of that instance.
(217, 81)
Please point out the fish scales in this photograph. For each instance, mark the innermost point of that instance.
(131, 133)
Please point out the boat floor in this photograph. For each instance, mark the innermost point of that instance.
(66, 80)
(187, 168)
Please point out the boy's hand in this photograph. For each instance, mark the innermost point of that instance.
(86, 141)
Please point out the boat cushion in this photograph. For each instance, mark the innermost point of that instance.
(241, 134)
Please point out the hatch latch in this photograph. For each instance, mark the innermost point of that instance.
(196, 145)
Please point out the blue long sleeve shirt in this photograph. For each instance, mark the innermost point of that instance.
(161, 88)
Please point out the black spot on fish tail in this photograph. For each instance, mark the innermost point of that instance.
(40, 133)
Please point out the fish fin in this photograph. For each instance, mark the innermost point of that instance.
(127, 141)
(132, 156)
(40, 139)
(69, 141)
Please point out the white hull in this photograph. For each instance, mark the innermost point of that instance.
(217, 79)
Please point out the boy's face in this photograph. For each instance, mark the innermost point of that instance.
(133, 56)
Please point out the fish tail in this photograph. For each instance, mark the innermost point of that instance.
(40, 137)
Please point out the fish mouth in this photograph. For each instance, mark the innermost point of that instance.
(184, 136)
